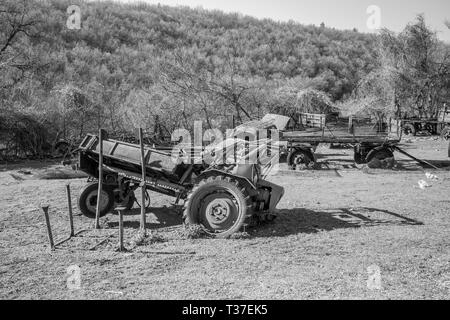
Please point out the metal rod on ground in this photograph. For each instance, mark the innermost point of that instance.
(69, 203)
(120, 211)
(414, 158)
(49, 228)
(95, 246)
(100, 179)
(143, 185)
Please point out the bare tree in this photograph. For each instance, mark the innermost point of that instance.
(228, 83)
(16, 19)
(216, 86)
(17, 22)
(181, 78)
(419, 67)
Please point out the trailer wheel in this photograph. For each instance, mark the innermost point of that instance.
(87, 202)
(409, 129)
(300, 160)
(219, 204)
(445, 133)
(380, 154)
(358, 157)
(61, 149)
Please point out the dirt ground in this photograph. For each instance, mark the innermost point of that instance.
(335, 226)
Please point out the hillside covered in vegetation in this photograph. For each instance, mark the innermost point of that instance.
(161, 68)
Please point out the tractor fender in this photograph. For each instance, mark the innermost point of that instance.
(276, 193)
(305, 149)
(245, 182)
(377, 149)
(255, 191)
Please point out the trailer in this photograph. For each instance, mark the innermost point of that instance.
(303, 132)
(439, 125)
(370, 140)
(221, 197)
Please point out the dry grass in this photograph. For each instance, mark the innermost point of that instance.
(192, 231)
(148, 238)
(330, 229)
(240, 235)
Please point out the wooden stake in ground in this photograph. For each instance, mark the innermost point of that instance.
(100, 179)
(69, 203)
(49, 228)
(120, 211)
(143, 184)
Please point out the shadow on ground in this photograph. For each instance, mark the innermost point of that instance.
(28, 164)
(345, 164)
(299, 220)
(412, 165)
(288, 222)
(157, 218)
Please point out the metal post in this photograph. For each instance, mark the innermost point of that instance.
(100, 179)
(69, 203)
(351, 128)
(235, 150)
(143, 184)
(49, 228)
(121, 247)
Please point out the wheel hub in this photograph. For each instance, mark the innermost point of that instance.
(300, 162)
(218, 210)
(299, 159)
(446, 134)
(91, 200)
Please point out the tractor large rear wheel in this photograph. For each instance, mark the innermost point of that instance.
(219, 204)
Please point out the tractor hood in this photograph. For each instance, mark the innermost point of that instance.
(269, 121)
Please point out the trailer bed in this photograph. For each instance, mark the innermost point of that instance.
(335, 136)
(343, 131)
(337, 139)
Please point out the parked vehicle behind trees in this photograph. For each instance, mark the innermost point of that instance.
(439, 125)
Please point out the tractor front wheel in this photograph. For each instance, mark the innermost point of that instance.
(87, 201)
(219, 204)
